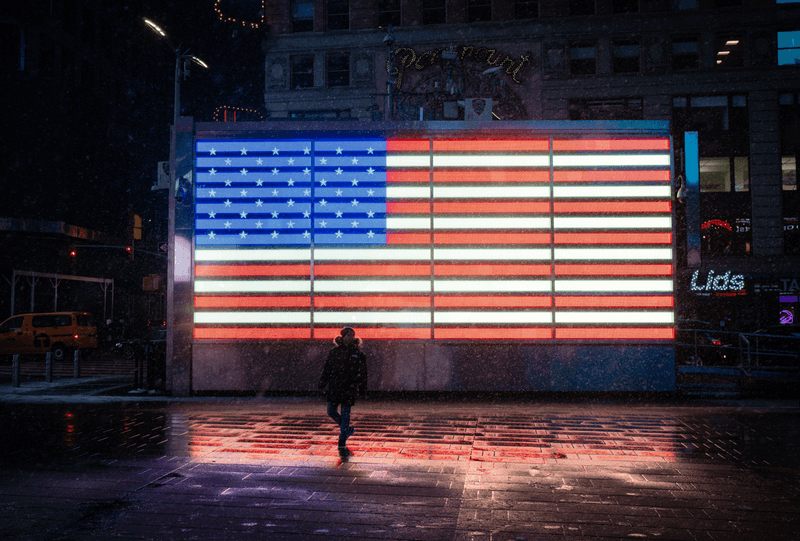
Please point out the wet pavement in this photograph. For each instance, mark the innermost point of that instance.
(269, 468)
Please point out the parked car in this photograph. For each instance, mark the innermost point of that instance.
(696, 343)
(130, 348)
(57, 332)
(777, 345)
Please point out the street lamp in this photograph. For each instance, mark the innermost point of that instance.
(389, 40)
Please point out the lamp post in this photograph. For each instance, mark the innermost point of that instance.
(389, 40)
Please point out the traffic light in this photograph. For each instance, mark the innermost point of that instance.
(129, 250)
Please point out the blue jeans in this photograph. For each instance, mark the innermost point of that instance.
(343, 419)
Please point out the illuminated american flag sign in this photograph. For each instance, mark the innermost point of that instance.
(541, 239)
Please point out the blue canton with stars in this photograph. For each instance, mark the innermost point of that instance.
(290, 192)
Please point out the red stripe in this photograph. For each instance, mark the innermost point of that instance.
(491, 145)
(375, 301)
(373, 270)
(492, 333)
(522, 207)
(660, 175)
(571, 145)
(612, 238)
(491, 176)
(491, 238)
(495, 301)
(408, 176)
(444, 269)
(375, 333)
(408, 238)
(251, 302)
(252, 270)
(396, 207)
(609, 301)
(408, 145)
(598, 207)
(250, 333)
(613, 270)
(616, 333)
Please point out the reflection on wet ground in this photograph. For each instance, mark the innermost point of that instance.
(530, 433)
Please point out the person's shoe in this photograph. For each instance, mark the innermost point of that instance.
(349, 433)
(342, 443)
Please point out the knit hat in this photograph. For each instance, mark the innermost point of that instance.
(348, 330)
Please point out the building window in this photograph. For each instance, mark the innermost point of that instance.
(724, 174)
(323, 114)
(389, 13)
(790, 152)
(302, 16)
(526, 9)
(625, 55)
(479, 10)
(583, 58)
(337, 14)
(610, 109)
(680, 5)
(303, 71)
(788, 48)
(625, 6)
(685, 53)
(434, 12)
(730, 51)
(581, 7)
(337, 69)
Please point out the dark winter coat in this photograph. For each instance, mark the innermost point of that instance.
(345, 373)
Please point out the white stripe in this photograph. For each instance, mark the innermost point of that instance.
(408, 223)
(627, 222)
(372, 317)
(369, 254)
(401, 160)
(251, 286)
(611, 160)
(359, 286)
(206, 254)
(408, 192)
(622, 254)
(610, 286)
(490, 192)
(490, 160)
(490, 223)
(252, 317)
(499, 286)
(492, 317)
(491, 254)
(614, 317)
(612, 192)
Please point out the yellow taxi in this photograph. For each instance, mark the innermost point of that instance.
(57, 332)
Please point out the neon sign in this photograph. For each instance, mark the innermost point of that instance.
(720, 282)
(541, 239)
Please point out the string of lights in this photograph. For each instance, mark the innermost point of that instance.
(223, 17)
(222, 110)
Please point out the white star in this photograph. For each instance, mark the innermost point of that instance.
(323, 182)
(338, 170)
(274, 234)
(291, 182)
(275, 151)
(323, 223)
(306, 150)
(274, 192)
(354, 203)
(227, 161)
(227, 202)
(370, 214)
(211, 234)
(338, 234)
(212, 214)
(244, 151)
(274, 213)
(227, 225)
(369, 150)
(243, 172)
(339, 150)
(354, 223)
(259, 203)
(243, 235)
(259, 224)
(323, 202)
(338, 213)
(370, 234)
(243, 214)
(370, 170)
(355, 182)
(243, 193)
(306, 192)
(259, 182)
(212, 171)
(290, 203)
(259, 162)
(291, 161)
(323, 161)
(212, 193)
(306, 171)
(306, 214)
(227, 182)
(370, 192)
(275, 171)
(306, 234)
(339, 192)
(213, 151)
(290, 224)
(355, 161)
